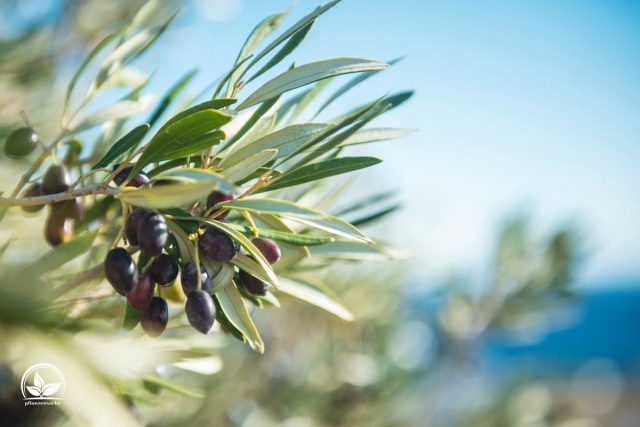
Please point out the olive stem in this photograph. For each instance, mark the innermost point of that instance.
(58, 197)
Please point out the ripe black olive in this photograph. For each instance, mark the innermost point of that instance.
(140, 296)
(269, 249)
(219, 197)
(56, 180)
(217, 246)
(189, 278)
(138, 180)
(131, 225)
(152, 234)
(120, 270)
(164, 270)
(155, 317)
(34, 190)
(21, 142)
(252, 284)
(200, 311)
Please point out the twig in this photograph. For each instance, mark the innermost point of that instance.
(53, 198)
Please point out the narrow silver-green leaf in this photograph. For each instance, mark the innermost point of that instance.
(193, 146)
(364, 136)
(249, 165)
(286, 237)
(60, 255)
(176, 388)
(165, 196)
(170, 96)
(121, 146)
(309, 73)
(285, 140)
(314, 297)
(320, 170)
(232, 304)
(310, 217)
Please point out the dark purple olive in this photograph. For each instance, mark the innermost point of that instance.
(152, 234)
(21, 142)
(164, 270)
(138, 180)
(120, 270)
(56, 180)
(268, 248)
(131, 225)
(200, 311)
(189, 278)
(34, 190)
(252, 284)
(155, 317)
(58, 229)
(140, 296)
(219, 197)
(69, 208)
(217, 246)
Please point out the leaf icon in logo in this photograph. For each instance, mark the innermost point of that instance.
(34, 391)
(37, 380)
(50, 389)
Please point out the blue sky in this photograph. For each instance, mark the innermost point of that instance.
(520, 106)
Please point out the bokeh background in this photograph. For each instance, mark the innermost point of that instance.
(519, 302)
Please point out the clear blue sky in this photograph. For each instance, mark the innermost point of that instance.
(527, 105)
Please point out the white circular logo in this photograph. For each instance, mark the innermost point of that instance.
(42, 384)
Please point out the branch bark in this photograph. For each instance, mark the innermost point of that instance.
(59, 197)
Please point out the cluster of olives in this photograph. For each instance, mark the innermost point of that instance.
(148, 230)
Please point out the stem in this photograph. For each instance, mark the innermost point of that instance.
(53, 198)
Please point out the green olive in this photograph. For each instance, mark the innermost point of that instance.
(21, 142)
(56, 180)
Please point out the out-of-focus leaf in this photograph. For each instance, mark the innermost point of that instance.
(176, 388)
(260, 129)
(195, 175)
(289, 47)
(96, 50)
(307, 74)
(285, 140)
(366, 202)
(320, 170)
(131, 318)
(165, 196)
(247, 166)
(201, 365)
(121, 146)
(119, 110)
(235, 311)
(171, 94)
(287, 237)
(376, 134)
(60, 255)
(353, 251)
(368, 219)
(314, 297)
(310, 217)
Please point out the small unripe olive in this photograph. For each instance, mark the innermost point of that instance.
(219, 197)
(21, 142)
(200, 311)
(56, 180)
(132, 223)
(120, 270)
(140, 297)
(152, 234)
(155, 317)
(268, 248)
(217, 246)
(34, 190)
(58, 229)
(252, 284)
(164, 270)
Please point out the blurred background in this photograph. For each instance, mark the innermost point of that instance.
(519, 302)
